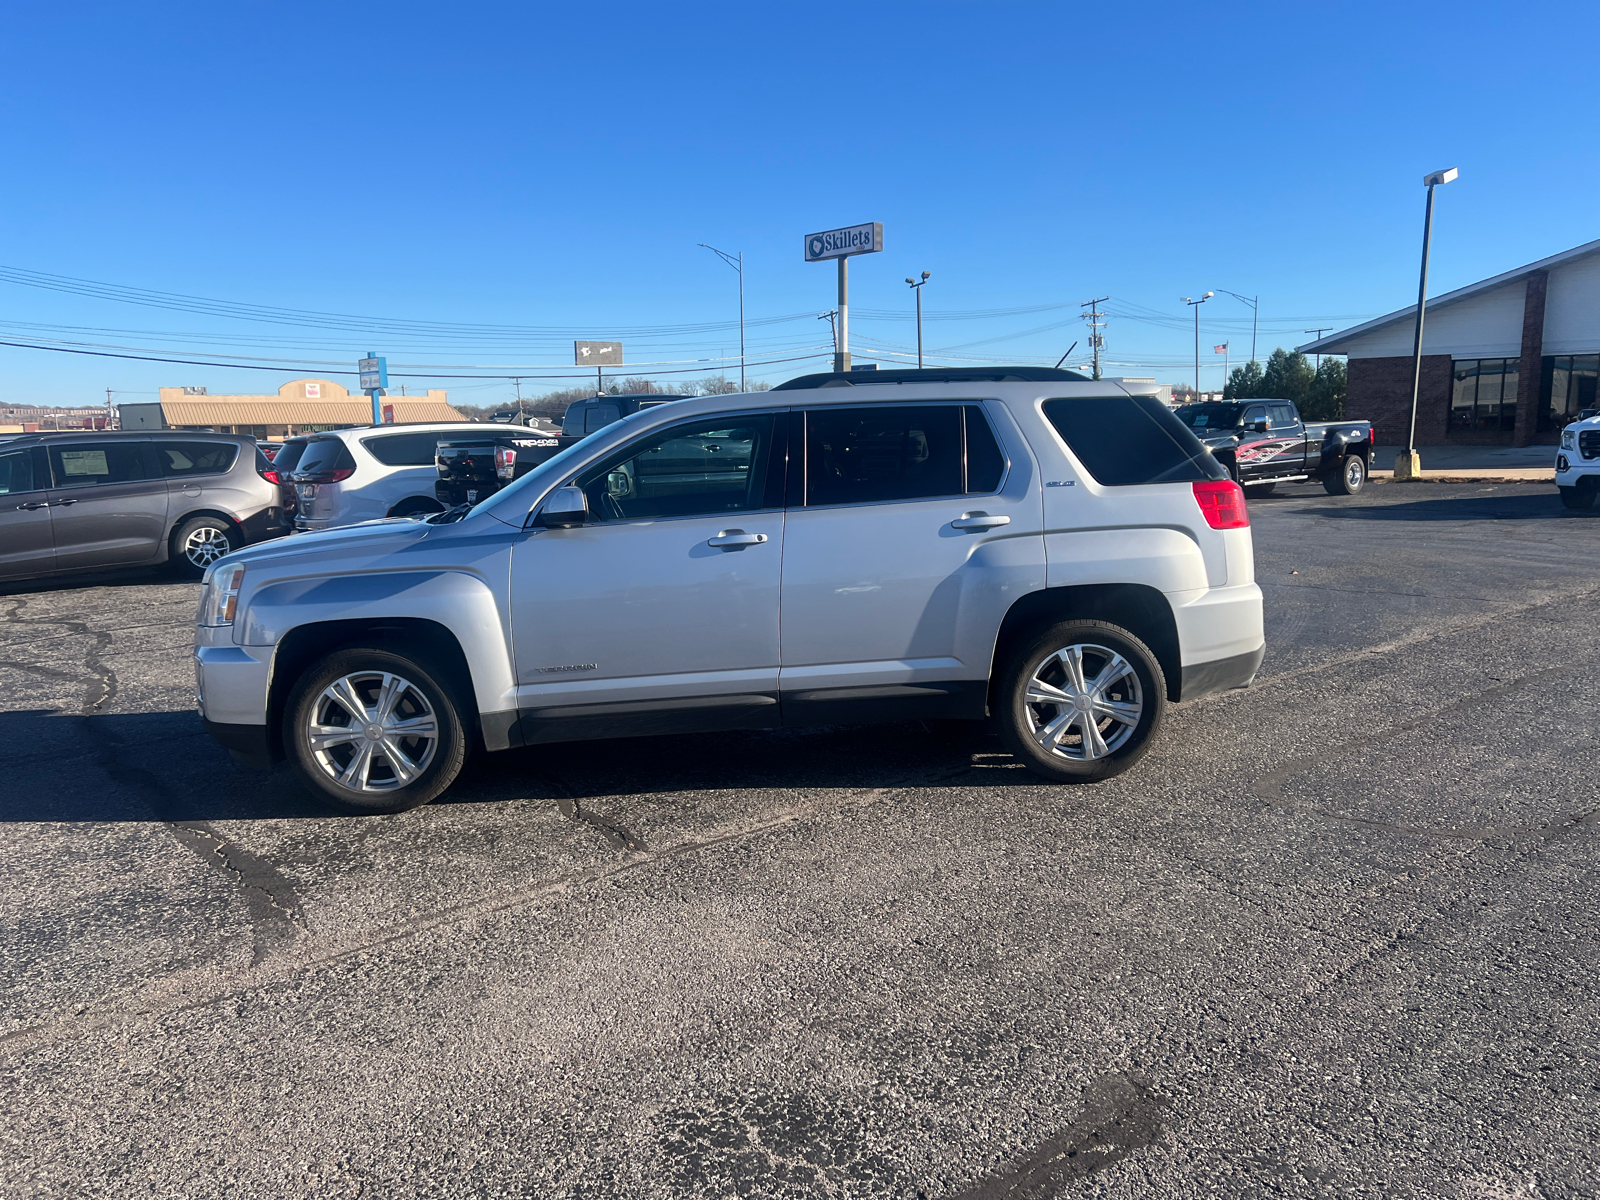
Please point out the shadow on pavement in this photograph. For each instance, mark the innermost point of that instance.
(163, 766)
(127, 577)
(1455, 508)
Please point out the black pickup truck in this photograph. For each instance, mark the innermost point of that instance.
(1263, 443)
(482, 459)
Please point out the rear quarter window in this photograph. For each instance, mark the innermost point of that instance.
(288, 457)
(195, 458)
(1125, 440)
(404, 449)
(326, 454)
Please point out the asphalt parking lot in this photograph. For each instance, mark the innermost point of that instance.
(1336, 935)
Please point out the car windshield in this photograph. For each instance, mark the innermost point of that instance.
(1211, 415)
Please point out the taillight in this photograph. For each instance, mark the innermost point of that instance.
(1222, 504)
(505, 462)
(271, 477)
(333, 475)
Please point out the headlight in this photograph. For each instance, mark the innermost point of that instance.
(220, 595)
(1569, 439)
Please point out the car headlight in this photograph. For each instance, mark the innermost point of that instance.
(1569, 439)
(220, 595)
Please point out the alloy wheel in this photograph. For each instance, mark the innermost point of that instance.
(372, 731)
(1083, 702)
(1355, 473)
(205, 545)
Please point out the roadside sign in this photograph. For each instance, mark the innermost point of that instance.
(597, 354)
(388, 414)
(841, 243)
(374, 373)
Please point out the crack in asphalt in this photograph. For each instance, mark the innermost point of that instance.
(1120, 1114)
(568, 805)
(269, 897)
(1269, 787)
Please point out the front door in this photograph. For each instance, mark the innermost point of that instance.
(26, 544)
(916, 532)
(661, 614)
(105, 510)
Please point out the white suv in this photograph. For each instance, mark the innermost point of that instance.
(1578, 464)
(350, 475)
(1058, 555)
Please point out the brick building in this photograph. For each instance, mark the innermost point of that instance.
(299, 406)
(1505, 362)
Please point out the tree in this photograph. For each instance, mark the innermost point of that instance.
(1288, 376)
(1325, 401)
(1244, 383)
(1182, 393)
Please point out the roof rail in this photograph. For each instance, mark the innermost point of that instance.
(935, 375)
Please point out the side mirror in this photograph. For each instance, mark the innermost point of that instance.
(567, 507)
(1259, 425)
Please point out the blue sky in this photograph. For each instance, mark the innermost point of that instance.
(551, 169)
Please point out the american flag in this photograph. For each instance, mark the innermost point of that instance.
(1222, 349)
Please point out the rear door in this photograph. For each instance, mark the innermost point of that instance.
(1286, 424)
(27, 546)
(915, 530)
(106, 509)
(196, 472)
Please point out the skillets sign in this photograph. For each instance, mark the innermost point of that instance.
(842, 243)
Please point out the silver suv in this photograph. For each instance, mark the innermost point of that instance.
(1058, 555)
(91, 501)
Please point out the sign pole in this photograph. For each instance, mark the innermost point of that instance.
(841, 356)
(374, 372)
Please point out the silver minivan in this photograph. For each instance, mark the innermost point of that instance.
(90, 501)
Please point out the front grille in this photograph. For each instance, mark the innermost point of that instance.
(1589, 443)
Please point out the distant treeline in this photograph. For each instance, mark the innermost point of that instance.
(1317, 391)
(554, 404)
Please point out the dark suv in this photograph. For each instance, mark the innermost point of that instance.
(91, 501)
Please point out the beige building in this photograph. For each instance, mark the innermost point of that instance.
(300, 406)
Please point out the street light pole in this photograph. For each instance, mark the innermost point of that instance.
(1255, 316)
(736, 261)
(1195, 304)
(917, 288)
(1409, 465)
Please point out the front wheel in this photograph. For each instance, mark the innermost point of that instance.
(1349, 477)
(372, 732)
(1081, 701)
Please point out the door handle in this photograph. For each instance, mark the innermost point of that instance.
(737, 537)
(979, 520)
(63, 503)
(35, 504)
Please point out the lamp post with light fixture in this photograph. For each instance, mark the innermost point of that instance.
(1409, 464)
(917, 288)
(1195, 304)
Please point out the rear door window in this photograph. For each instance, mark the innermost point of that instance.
(893, 452)
(599, 416)
(404, 449)
(986, 462)
(1282, 416)
(1125, 440)
(195, 458)
(88, 464)
(288, 457)
(323, 455)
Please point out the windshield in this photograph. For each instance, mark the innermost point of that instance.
(1211, 415)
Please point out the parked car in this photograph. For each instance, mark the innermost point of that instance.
(285, 457)
(479, 461)
(1578, 463)
(1060, 555)
(584, 417)
(1263, 443)
(350, 475)
(91, 501)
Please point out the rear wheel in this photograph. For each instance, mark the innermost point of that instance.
(1081, 701)
(369, 731)
(1259, 489)
(1348, 478)
(1581, 498)
(199, 542)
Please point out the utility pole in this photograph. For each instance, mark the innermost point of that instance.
(832, 328)
(1195, 304)
(1319, 333)
(917, 288)
(1093, 317)
(518, 384)
(1255, 315)
(111, 415)
(736, 261)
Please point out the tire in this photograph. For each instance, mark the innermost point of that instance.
(199, 542)
(1259, 489)
(1049, 738)
(415, 506)
(1348, 478)
(398, 772)
(1580, 498)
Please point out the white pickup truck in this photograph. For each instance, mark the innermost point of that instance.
(1058, 555)
(1578, 464)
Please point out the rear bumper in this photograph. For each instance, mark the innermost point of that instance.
(1201, 679)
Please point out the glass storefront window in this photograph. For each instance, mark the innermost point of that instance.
(1568, 388)
(1483, 395)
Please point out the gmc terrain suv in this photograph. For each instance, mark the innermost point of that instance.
(1060, 555)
